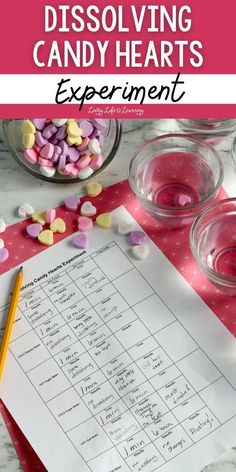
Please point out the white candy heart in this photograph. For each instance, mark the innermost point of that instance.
(85, 173)
(25, 210)
(59, 121)
(87, 209)
(94, 146)
(47, 171)
(140, 252)
(124, 228)
(1, 244)
(2, 225)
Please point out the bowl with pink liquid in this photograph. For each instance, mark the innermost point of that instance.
(213, 244)
(175, 177)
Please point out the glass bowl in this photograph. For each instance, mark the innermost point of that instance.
(175, 176)
(13, 135)
(211, 130)
(213, 244)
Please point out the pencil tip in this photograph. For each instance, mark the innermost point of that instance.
(21, 269)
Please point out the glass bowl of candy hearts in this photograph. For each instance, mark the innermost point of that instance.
(63, 150)
(175, 177)
(211, 130)
(213, 244)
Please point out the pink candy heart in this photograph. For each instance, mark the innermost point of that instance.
(47, 151)
(4, 254)
(184, 200)
(84, 224)
(72, 203)
(81, 241)
(34, 230)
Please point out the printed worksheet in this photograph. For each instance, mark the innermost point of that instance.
(116, 364)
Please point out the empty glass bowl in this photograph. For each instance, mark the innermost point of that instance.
(211, 130)
(13, 135)
(175, 177)
(213, 244)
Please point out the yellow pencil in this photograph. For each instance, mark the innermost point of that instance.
(10, 319)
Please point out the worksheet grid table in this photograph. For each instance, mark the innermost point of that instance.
(141, 368)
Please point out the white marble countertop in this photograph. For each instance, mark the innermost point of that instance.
(17, 187)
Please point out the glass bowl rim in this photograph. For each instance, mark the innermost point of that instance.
(226, 280)
(195, 129)
(58, 180)
(180, 210)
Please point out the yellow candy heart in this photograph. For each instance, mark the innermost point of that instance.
(70, 120)
(72, 140)
(28, 140)
(58, 226)
(28, 127)
(94, 189)
(46, 237)
(74, 130)
(104, 220)
(39, 217)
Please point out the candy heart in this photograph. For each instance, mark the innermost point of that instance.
(137, 237)
(99, 124)
(4, 254)
(87, 209)
(39, 217)
(50, 215)
(40, 140)
(124, 229)
(25, 210)
(28, 140)
(2, 225)
(49, 131)
(81, 241)
(140, 252)
(46, 237)
(39, 123)
(1, 243)
(58, 226)
(93, 189)
(34, 230)
(184, 200)
(85, 173)
(47, 151)
(74, 140)
(47, 171)
(96, 162)
(72, 203)
(28, 127)
(59, 122)
(86, 127)
(104, 220)
(71, 170)
(94, 146)
(74, 130)
(84, 224)
(31, 156)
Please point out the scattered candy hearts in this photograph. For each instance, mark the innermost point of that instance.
(104, 220)
(39, 217)
(94, 189)
(81, 241)
(25, 210)
(140, 252)
(34, 230)
(1, 243)
(58, 226)
(4, 254)
(124, 229)
(137, 238)
(46, 237)
(50, 215)
(184, 200)
(2, 225)
(72, 203)
(87, 209)
(84, 224)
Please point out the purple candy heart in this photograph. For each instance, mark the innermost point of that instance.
(137, 238)
(49, 131)
(64, 147)
(53, 140)
(4, 254)
(40, 139)
(81, 241)
(61, 133)
(72, 154)
(62, 162)
(99, 124)
(56, 154)
(39, 123)
(72, 203)
(87, 128)
(34, 230)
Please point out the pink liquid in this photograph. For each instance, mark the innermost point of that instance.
(176, 179)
